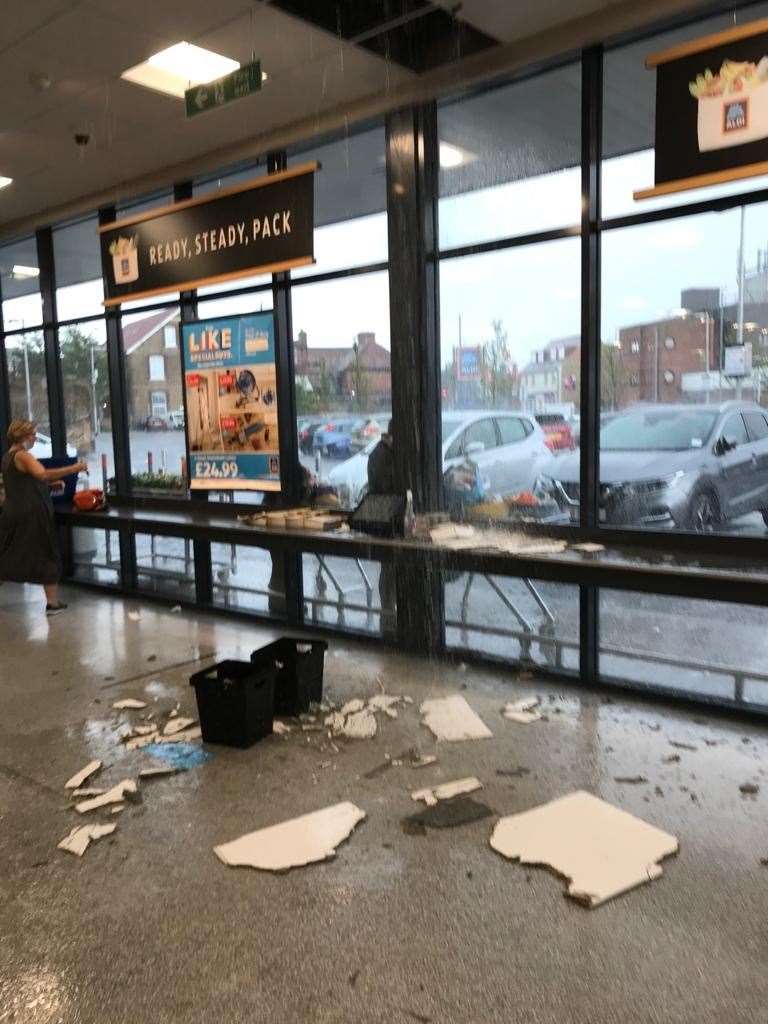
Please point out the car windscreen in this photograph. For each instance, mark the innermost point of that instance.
(657, 430)
(550, 419)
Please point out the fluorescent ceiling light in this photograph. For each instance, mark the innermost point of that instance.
(4, 182)
(22, 271)
(178, 68)
(451, 156)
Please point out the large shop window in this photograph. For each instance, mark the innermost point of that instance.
(343, 379)
(685, 375)
(350, 202)
(629, 113)
(510, 160)
(511, 358)
(77, 261)
(20, 285)
(87, 406)
(677, 644)
(28, 384)
(154, 384)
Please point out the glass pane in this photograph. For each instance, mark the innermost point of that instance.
(671, 362)
(20, 285)
(514, 619)
(248, 579)
(96, 555)
(158, 451)
(343, 391)
(629, 111)
(350, 202)
(86, 398)
(166, 565)
(510, 339)
(28, 385)
(509, 159)
(348, 594)
(670, 642)
(77, 261)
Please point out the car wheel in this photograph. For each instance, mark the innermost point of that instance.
(704, 512)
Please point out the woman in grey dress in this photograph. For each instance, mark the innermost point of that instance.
(29, 547)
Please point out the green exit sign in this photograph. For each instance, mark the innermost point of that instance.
(234, 86)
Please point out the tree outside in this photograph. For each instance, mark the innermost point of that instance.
(613, 378)
(496, 378)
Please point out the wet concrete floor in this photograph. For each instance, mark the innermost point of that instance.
(150, 927)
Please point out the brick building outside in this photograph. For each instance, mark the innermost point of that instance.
(153, 368)
(362, 371)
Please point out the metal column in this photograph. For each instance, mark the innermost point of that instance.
(412, 193)
(591, 154)
(5, 386)
(55, 380)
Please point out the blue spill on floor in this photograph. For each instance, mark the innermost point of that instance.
(179, 755)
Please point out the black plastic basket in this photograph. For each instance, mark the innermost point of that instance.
(298, 667)
(235, 702)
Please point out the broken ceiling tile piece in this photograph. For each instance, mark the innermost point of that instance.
(588, 548)
(115, 795)
(522, 711)
(351, 706)
(294, 843)
(81, 837)
(447, 790)
(385, 702)
(280, 728)
(86, 792)
(335, 722)
(118, 809)
(600, 849)
(85, 773)
(138, 730)
(129, 702)
(361, 725)
(452, 719)
(160, 770)
(177, 725)
(137, 742)
(185, 736)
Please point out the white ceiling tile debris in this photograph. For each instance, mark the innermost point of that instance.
(452, 719)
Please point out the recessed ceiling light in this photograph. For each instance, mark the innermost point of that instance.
(4, 182)
(451, 156)
(178, 68)
(23, 272)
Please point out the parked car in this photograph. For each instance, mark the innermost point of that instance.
(369, 430)
(156, 423)
(508, 448)
(176, 419)
(557, 429)
(334, 439)
(688, 467)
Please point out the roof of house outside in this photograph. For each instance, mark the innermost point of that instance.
(135, 334)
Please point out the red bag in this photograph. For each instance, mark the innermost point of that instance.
(89, 501)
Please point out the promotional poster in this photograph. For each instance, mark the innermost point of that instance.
(711, 110)
(231, 403)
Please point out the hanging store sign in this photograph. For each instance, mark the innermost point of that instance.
(711, 110)
(244, 81)
(263, 226)
(230, 403)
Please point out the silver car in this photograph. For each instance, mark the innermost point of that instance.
(689, 467)
(509, 449)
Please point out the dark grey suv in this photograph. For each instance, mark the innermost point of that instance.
(689, 467)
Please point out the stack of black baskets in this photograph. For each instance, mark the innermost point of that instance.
(237, 700)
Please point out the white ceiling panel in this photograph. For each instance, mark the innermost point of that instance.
(508, 20)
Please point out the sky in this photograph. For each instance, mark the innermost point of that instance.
(534, 290)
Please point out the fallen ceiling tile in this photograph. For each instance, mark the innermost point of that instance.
(280, 728)
(361, 725)
(80, 838)
(137, 742)
(462, 810)
(600, 849)
(182, 737)
(446, 790)
(86, 792)
(452, 719)
(352, 706)
(85, 773)
(177, 725)
(522, 711)
(129, 702)
(153, 773)
(139, 730)
(115, 795)
(294, 843)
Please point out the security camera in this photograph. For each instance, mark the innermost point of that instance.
(82, 138)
